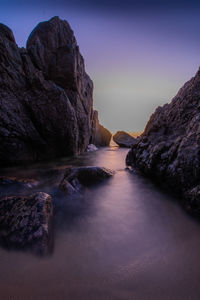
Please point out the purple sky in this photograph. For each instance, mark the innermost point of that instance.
(138, 57)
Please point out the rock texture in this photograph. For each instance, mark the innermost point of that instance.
(22, 182)
(17, 186)
(75, 179)
(46, 97)
(123, 139)
(169, 149)
(100, 136)
(26, 221)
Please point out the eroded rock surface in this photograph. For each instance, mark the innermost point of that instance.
(168, 150)
(26, 221)
(123, 139)
(46, 97)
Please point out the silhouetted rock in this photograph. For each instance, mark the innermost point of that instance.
(168, 150)
(78, 177)
(100, 135)
(123, 139)
(46, 97)
(25, 221)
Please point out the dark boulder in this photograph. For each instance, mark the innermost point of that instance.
(26, 221)
(123, 139)
(46, 97)
(168, 150)
(75, 179)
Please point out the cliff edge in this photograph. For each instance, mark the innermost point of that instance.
(169, 149)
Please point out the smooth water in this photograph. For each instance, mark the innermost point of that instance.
(126, 240)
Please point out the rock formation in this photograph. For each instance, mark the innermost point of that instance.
(26, 221)
(123, 139)
(75, 179)
(46, 97)
(100, 136)
(169, 149)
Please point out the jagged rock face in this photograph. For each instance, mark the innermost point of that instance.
(123, 139)
(169, 148)
(45, 95)
(100, 136)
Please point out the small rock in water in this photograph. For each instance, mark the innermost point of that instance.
(76, 178)
(91, 148)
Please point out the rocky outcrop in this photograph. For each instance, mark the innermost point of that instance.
(46, 97)
(100, 136)
(123, 139)
(26, 221)
(168, 150)
(75, 179)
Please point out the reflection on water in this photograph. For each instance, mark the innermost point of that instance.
(125, 240)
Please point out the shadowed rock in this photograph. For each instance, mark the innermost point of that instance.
(46, 97)
(75, 179)
(25, 221)
(123, 139)
(168, 150)
(13, 184)
(100, 135)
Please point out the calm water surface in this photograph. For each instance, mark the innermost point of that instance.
(125, 240)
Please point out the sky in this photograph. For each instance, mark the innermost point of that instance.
(138, 53)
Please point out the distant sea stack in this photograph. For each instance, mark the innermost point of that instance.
(46, 97)
(169, 149)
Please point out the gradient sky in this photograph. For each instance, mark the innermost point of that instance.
(138, 53)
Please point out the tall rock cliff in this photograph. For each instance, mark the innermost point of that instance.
(100, 135)
(46, 97)
(169, 149)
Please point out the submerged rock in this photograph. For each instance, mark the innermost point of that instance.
(26, 221)
(168, 150)
(75, 179)
(14, 184)
(46, 97)
(123, 139)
